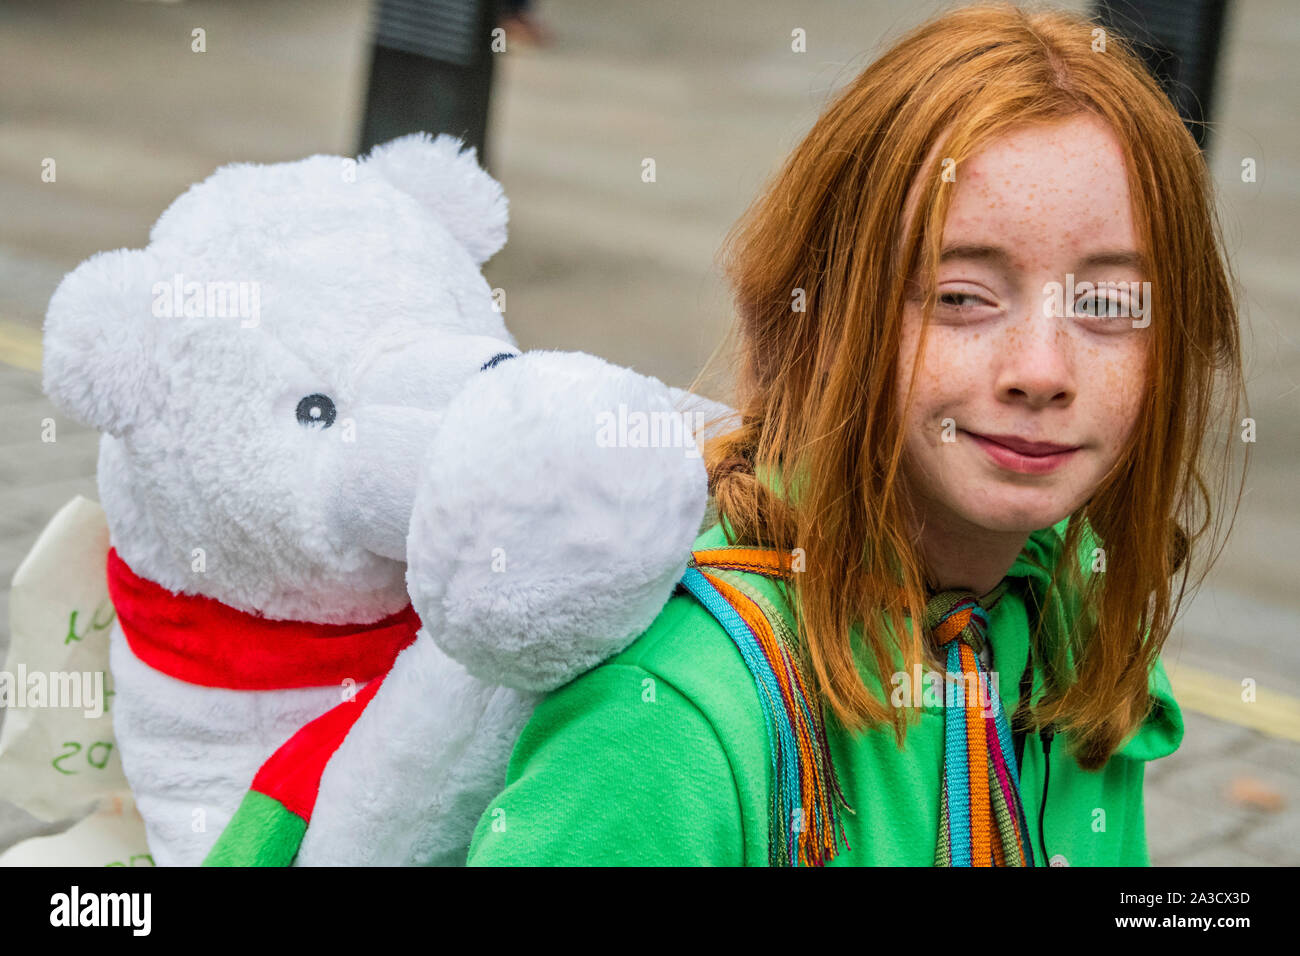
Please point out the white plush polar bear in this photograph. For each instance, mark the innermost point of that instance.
(313, 415)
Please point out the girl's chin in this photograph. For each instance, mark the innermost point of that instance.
(1016, 515)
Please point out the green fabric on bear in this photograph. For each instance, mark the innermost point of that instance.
(261, 833)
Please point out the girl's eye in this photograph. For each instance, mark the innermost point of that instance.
(316, 410)
(959, 300)
(1100, 307)
(964, 305)
(1104, 313)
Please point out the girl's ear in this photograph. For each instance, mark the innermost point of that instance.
(450, 183)
(101, 363)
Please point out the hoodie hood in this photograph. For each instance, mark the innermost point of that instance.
(1161, 732)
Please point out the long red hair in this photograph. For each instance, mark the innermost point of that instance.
(815, 387)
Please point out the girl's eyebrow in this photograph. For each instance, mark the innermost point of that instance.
(993, 254)
(998, 256)
(1124, 258)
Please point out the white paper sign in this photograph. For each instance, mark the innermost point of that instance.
(58, 756)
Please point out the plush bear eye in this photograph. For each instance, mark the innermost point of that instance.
(496, 360)
(316, 410)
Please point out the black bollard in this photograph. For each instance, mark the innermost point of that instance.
(430, 70)
(1180, 41)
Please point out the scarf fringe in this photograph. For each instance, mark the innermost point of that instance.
(805, 826)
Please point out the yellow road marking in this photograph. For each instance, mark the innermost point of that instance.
(20, 346)
(1272, 712)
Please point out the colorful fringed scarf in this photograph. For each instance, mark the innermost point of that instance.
(982, 821)
(804, 822)
(202, 641)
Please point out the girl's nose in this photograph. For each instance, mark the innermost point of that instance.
(1036, 365)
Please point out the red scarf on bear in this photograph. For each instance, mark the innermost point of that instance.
(201, 641)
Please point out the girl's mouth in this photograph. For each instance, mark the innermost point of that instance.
(1024, 456)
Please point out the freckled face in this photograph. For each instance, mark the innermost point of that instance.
(1035, 403)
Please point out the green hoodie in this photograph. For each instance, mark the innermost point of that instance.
(659, 757)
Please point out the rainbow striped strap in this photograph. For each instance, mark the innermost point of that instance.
(981, 818)
(804, 824)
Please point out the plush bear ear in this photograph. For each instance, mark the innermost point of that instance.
(469, 202)
(100, 362)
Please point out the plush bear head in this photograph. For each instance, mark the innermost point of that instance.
(269, 369)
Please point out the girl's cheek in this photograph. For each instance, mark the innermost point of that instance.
(952, 359)
(955, 358)
(1121, 384)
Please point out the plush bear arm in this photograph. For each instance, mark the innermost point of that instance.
(409, 782)
(554, 515)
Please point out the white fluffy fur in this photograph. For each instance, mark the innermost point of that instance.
(190, 752)
(365, 296)
(417, 771)
(448, 180)
(370, 293)
(533, 554)
(534, 551)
